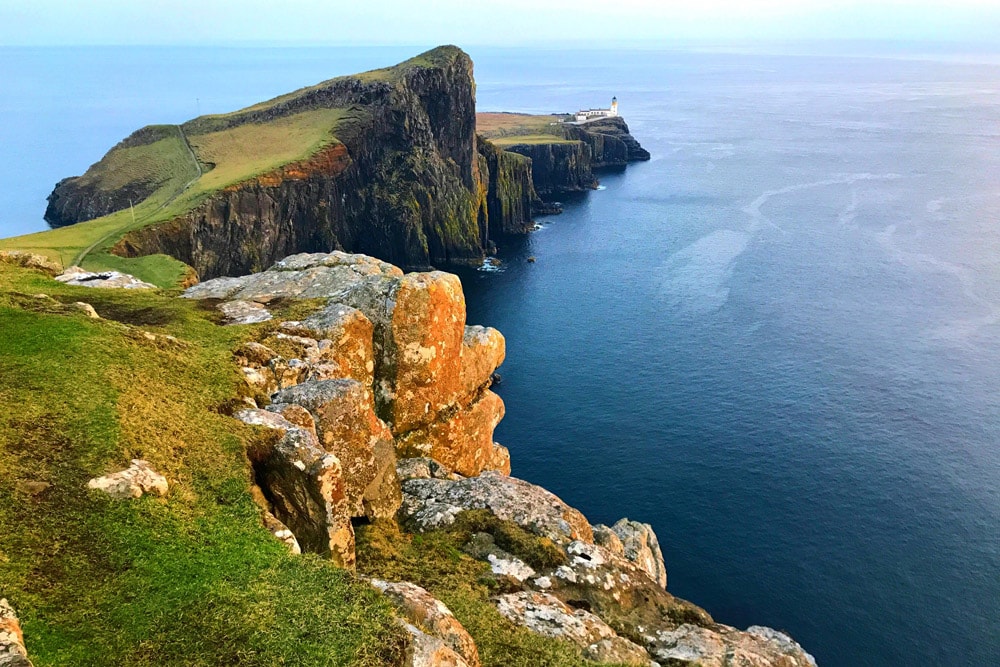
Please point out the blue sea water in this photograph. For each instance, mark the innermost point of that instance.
(778, 341)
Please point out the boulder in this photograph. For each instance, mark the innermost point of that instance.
(419, 324)
(426, 650)
(548, 616)
(74, 275)
(282, 533)
(243, 312)
(607, 538)
(30, 260)
(462, 441)
(422, 468)
(640, 546)
(351, 336)
(423, 610)
(348, 428)
(86, 309)
(723, 646)
(12, 650)
(133, 482)
(306, 488)
(434, 503)
(483, 350)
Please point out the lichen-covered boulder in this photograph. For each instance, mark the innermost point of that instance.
(348, 428)
(12, 650)
(419, 324)
(422, 468)
(463, 441)
(426, 650)
(306, 488)
(74, 275)
(549, 616)
(422, 609)
(243, 312)
(350, 334)
(483, 350)
(434, 503)
(639, 545)
(723, 646)
(133, 482)
(29, 260)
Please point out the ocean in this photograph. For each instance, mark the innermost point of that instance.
(777, 341)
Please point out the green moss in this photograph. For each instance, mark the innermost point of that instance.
(190, 579)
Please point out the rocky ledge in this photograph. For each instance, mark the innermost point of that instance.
(378, 406)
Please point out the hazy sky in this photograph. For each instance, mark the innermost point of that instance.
(503, 22)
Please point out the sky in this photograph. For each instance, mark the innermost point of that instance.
(479, 22)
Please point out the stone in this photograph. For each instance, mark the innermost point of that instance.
(302, 276)
(306, 488)
(419, 324)
(422, 468)
(434, 503)
(425, 650)
(136, 480)
(723, 646)
(464, 441)
(483, 350)
(607, 538)
(296, 414)
(12, 650)
(282, 533)
(243, 312)
(423, 610)
(87, 310)
(254, 354)
(348, 428)
(642, 548)
(30, 260)
(74, 275)
(351, 335)
(549, 616)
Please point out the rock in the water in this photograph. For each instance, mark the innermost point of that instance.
(74, 275)
(642, 548)
(347, 427)
(431, 615)
(12, 650)
(306, 488)
(434, 503)
(29, 260)
(549, 616)
(243, 312)
(136, 480)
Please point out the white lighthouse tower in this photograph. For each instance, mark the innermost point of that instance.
(614, 106)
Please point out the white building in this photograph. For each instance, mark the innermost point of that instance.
(590, 114)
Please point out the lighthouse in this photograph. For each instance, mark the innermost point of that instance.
(614, 106)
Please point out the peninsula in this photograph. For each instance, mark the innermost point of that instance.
(386, 163)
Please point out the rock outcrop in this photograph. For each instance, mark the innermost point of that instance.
(30, 260)
(74, 275)
(133, 482)
(12, 650)
(614, 575)
(430, 615)
(511, 199)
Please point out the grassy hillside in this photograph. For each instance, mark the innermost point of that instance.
(180, 166)
(192, 578)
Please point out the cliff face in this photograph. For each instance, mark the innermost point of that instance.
(511, 197)
(568, 166)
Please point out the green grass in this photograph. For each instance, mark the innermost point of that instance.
(190, 579)
(531, 139)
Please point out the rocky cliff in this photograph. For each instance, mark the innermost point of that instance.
(385, 163)
(386, 411)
